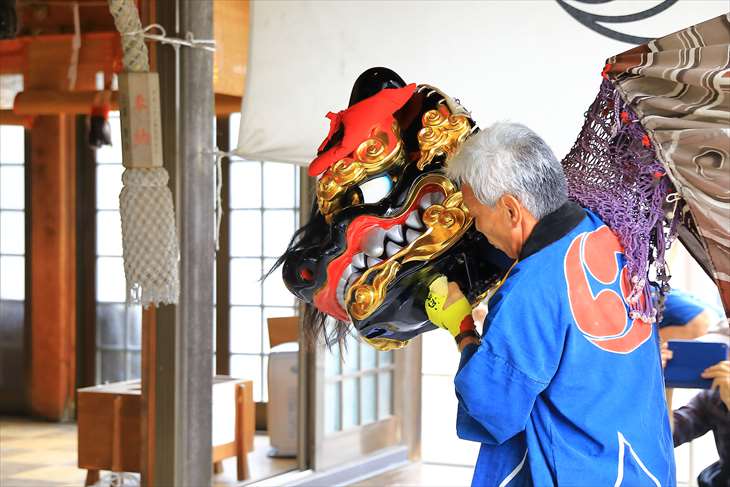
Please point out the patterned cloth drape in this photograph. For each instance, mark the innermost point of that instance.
(679, 85)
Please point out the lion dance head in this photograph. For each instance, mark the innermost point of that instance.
(386, 220)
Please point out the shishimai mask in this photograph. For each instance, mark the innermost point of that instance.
(386, 220)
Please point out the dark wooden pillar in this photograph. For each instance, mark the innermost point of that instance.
(183, 354)
(53, 267)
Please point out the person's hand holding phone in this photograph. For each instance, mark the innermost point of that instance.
(720, 375)
(666, 354)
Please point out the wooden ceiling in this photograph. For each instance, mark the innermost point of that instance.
(42, 49)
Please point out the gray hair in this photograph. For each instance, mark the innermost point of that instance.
(509, 158)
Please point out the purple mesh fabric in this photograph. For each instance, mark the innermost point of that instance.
(613, 170)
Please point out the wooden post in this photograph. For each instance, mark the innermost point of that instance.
(149, 354)
(184, 333)
(53, 267)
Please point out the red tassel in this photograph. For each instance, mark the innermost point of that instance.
(645, 141)
(606, 69)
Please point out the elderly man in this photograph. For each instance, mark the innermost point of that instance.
(564, 388)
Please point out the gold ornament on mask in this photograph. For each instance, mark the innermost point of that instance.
(373, 156)
(442, 135)
(445, 224)
(385, 344)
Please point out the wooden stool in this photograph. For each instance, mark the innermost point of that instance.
(110, 429)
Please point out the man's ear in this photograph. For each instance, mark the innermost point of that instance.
(513, 207)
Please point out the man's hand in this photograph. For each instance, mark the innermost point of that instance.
(720, 375)
(666, 354)
(447, 307)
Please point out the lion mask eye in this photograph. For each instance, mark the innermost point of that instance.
(374, 190)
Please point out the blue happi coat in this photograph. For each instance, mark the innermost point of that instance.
(566, 389)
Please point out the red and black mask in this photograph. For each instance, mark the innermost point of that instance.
(386, 220)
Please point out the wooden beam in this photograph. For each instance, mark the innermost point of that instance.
(227, 104)
(54, 17)
(53, 267)
(230, 31)
(8, 117)
(48, 57)
(53, 102)
(12, 53)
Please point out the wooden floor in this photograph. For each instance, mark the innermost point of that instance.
(41, 454)
(421, 475)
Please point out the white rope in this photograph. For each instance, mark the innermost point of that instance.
(126, 19)
(218, 199)
(189, 41)
(73, 67)
(149, 237)
(219, 155)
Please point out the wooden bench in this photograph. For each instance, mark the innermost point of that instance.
(110, 426)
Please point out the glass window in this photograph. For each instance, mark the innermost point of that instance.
(108, 185)
(12, 262)
(245, 233)
(276, 177)
(245, 185)
(12, 187)
(279, 225)
(333, 402)
(368, 396)
(12, 145)
(108, 233)
(12, 232)
(275, 291)
(263, 214)
(246, 330)
(350, 403)
(245, 281)
(365, 378)
(385, 394)
(110, 283)
(12, 278)
(118, 324)
(112, 154)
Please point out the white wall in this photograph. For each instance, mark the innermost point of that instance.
(525, 60)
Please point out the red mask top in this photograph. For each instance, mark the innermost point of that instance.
(358, 120)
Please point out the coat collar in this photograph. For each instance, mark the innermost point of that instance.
(552, 227)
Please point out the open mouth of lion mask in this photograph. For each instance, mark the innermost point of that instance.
(386, 220)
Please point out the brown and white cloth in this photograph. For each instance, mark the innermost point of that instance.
(679, 85)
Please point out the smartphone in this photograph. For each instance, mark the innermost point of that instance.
(690, 359)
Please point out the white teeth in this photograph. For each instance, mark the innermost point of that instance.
(414, 221)
(353, 277)
(392, 249)
(426, 201)
(341, 293)
(359, 260)
(411, 235)
(373, 261)
(395, 234)
(437, 198)
(341, 288)
(346, 273)
(373, 242)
